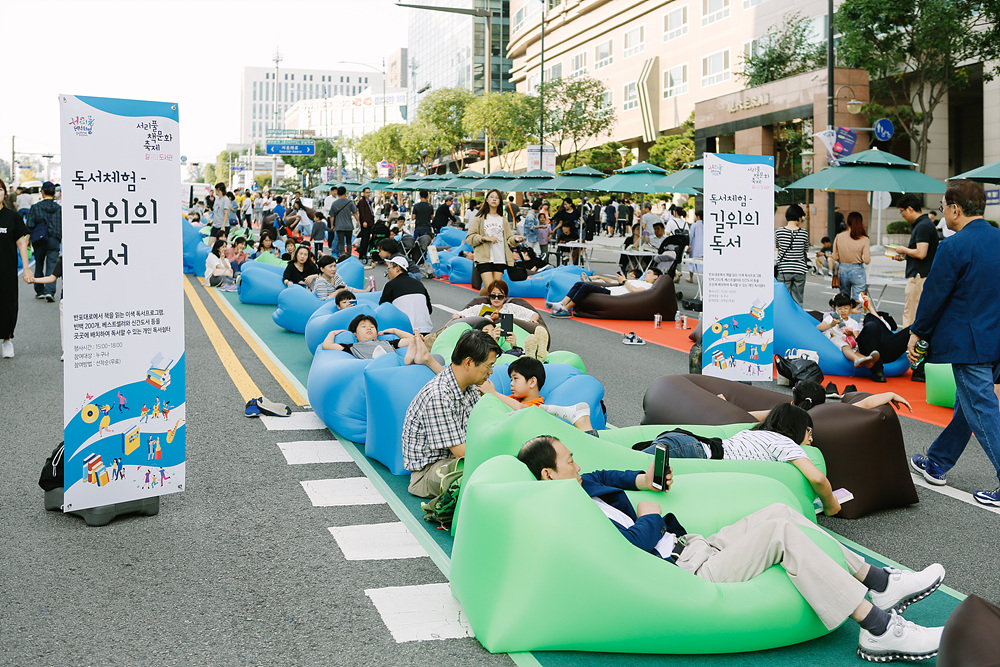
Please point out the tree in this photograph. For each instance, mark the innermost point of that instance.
(441, 117)
(786, 50)
(262, 181)
(509, 120)
(386, 143)
(312, 165)
(218, 171)
(575, 111)
(602, 158)
(915, 51)
(673, 151)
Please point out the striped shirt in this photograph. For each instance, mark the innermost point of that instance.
(792, 248)
(761, 446)
(323, 288)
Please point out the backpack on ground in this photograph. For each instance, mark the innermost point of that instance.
(440, 509)
(52, 472)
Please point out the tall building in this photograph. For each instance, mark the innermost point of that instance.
(397, 68)
(268, 92)
(348, 115)
(448, 50)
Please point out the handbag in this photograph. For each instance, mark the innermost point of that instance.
(797, 369)
(835, 280)
(517, 272)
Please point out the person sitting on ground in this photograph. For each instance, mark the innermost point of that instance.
(436, 420)
(365, 329)
(779, 437)
(581, 290)
(237, 255)
(218, 272)
(774, 535)
(265, 246)
(328, 282)
(840, 328)
(527, 376)
(344, 299)
(825, 265)
(497, 292)
(302, 269)
(807, 394)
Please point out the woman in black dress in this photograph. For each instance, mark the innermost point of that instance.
(13, 241)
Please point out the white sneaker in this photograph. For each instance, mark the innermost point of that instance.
(7, 349)
(905, 588)
(902, 640)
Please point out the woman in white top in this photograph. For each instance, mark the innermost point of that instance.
(218, 272)
(492, 236)
(497, 292)
(778, 438)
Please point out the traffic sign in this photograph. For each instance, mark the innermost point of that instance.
(883, 129)
(292, 147)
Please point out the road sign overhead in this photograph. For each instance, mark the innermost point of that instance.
(291, 147)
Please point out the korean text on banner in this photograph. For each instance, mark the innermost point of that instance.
(739, 274)
(123, 405)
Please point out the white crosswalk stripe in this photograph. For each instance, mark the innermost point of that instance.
(378, 541)
(314, 451)
(420, 613)
(342, 492)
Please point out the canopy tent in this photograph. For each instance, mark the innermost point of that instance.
(640, 178)
(988, 173)
(528, 179)
(456, 180)
(692, 175)
(571, 180)
(499, 179)
(871, 171)
(378, 184)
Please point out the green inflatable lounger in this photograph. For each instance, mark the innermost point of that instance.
(537, 566)
(940, 385)
(448, 338)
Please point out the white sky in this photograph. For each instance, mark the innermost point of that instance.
(191, 52)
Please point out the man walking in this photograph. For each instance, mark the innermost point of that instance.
(422, 214)
(443, 216)
(918, 253)
(958, 316)
(343, 213)
(45, 225)
(367, 217)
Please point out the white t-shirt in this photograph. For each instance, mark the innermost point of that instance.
(640, 285)
(943, 226)
(761, 446)
(24, 201)
(838, 334)
(493, 226)
(211, 263)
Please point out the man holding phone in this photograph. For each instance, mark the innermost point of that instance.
(739, 552)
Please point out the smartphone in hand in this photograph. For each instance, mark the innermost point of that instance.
(661, 467)
(506, 324)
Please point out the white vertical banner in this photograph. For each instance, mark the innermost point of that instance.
(737, 317)
(123, 326)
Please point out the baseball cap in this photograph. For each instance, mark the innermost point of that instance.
(49, 188)
(400, 261)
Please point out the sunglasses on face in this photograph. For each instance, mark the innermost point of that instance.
(496, 296)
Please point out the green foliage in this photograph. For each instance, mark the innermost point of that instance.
(386, 143)
(441, 118)
(219, 170)
(574, 111)
(914, 50)
(899, 227)
(509, 120)
(786, 50)
(262, 181)
(903, 117)
(673, 151)
(602, 158)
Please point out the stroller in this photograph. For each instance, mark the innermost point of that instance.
(675, 243)
(415, 251)
(380, 232)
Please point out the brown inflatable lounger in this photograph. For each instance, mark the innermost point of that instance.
(660, 299)
(863, 448)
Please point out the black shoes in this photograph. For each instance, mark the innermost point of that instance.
(878, 376)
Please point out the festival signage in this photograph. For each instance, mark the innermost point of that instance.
(739, 279)
(123, 329)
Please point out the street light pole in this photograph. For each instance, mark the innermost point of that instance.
(831, 198)
(488, 53)
(541, 93)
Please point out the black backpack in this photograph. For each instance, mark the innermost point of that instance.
(52, 472)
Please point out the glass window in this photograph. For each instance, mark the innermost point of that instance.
(747, 4)
(578, 65)
(603, 54)
(631, 96)
(555, 72)
(715, 68)
(255, 91)
(675, 81)
(675, 24)
(607, 103)
(751, 48)
(713, 10)
(635, 41)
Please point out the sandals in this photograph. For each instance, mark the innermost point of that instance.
(631, 339)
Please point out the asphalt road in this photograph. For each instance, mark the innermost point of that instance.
(240, 568)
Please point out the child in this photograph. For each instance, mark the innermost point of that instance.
(345, 299)
(842, 330)
(527, 375)
(56, 274)
(365, 328)
(535, 345)
(824, 258)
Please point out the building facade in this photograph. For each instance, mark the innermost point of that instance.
(268, 92)
(348, 115)
(397, 69)
(447, 50)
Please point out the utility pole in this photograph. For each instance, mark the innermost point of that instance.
(831, 198)
(541, 92)
(274, 164)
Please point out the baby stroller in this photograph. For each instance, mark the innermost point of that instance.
(675, 243)
(380, 232)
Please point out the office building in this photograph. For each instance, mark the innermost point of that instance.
(664, 60)
(448, 50)
(267, 93)
(397, 69)
(348, 115)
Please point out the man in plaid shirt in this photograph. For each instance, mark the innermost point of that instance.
(434, 429)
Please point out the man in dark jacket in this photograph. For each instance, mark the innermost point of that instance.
(443, 215)
(366, 216)
(45, 224)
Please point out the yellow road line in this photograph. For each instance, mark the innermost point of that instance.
(265, 359)
(246, 386)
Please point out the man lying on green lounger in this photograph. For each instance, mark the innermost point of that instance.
(741, 551)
